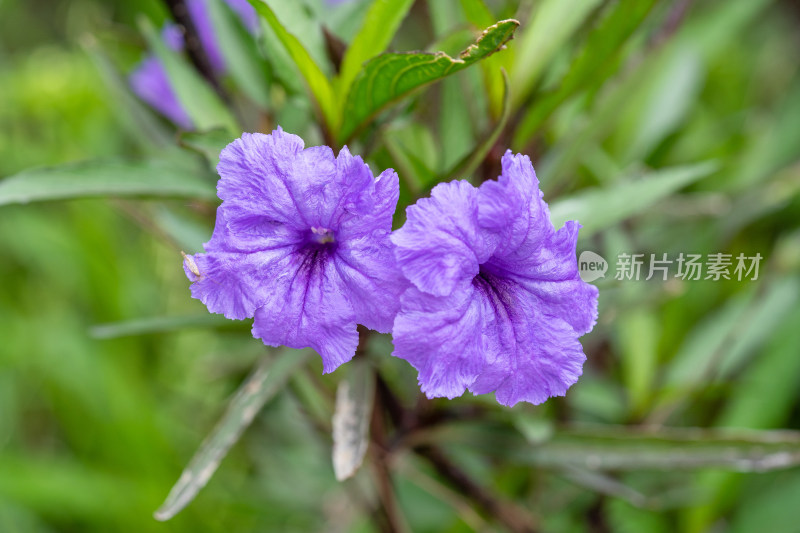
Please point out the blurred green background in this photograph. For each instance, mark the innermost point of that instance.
(93, 432)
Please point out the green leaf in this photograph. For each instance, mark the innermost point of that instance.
(200, 101)
(718, 346)
(465, 167)
(773, 508)
(553, 25)
(413, 150)
(597, 209)
(380, 24)
(182, 225)
(208, 143)
(140, 120)
(265, 381)
(477, 12)
(638, 331)
(318, 84)
(152, 178)
(389, 77)
(159, 324)
(608, 447)
(599, 59)
(242, 57)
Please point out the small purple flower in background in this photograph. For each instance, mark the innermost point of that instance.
(302, 243)
(149, 80)
(247, 14)
(150, 83)
(496, 303)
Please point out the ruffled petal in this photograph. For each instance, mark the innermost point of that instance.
(371, 277)
(308, 306)
(274, 177)
(551, 276)
(332, 188)
(442, 337)
(235, 284)
(376, 209)
(239, 230)
(531, 356)
(254, 171)
(513, 207)
(441, 245)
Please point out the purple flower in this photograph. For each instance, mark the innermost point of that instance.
(302, 243)
(149, 80)
(150, 83)
(496, 302)
(201, 18)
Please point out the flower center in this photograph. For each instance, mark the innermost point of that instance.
(322, 235)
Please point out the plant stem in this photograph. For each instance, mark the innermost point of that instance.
(514, 518)
(394, 521)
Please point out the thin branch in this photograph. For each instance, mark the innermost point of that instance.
(394, 521)
(514, 518)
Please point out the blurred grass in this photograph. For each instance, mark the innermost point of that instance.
(94, 432)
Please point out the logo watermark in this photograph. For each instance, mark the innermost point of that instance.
(591, 266)
(687, 267)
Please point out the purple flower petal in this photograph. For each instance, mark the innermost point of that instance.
(375, 284)
(543, 358)
(307, 304)
(301, 242)
(441, 336)
(441, 244)
(513, 207)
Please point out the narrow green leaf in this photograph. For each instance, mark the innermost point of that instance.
(718, 345)
(140, 120)
(182, 225)
(318, 84)
(597, 209)
(465, 167)
(239, 48)
(414, 154)
(610, 447)
(200, 101)
(265, 381)
(152, 178)
(351, 420)
(638, 331)
(159, 324)
(764, 397)
(380, 24)
(388, 77)
(208, 143)
(477, 12)
(553, 25)
(748, 453)
(599, 59)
